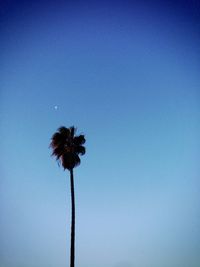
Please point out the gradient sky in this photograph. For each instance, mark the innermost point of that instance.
(127, 75)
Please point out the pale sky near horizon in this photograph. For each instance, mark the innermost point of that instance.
(126, 74)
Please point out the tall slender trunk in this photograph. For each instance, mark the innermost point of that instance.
(72, 250)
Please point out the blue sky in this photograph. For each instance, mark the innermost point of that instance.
(127, 75)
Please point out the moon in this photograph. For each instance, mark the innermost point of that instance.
(55, 107)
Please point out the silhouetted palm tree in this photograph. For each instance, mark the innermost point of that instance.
(66, 148)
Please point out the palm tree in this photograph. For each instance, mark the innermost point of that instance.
(66, 148)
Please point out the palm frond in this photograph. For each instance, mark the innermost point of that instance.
(57, 152)
(70, 160)
(80, 150)
(56, 139)
(65, 132)
(72, 131)
(79, 140)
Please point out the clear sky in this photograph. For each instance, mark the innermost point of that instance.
(126, 73)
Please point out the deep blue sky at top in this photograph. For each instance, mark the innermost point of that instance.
(126, 73)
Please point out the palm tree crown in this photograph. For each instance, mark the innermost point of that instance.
(67, 147)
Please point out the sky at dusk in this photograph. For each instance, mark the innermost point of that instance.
(126, 74)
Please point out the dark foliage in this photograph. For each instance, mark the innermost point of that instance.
(67, 147)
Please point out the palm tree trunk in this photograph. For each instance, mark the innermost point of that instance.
(72, 250)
